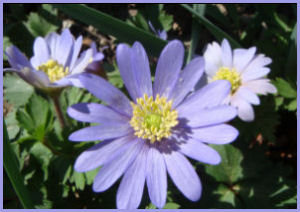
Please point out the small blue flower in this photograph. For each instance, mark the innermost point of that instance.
(150, 136)
(162, 34)
(55, 60)
(244, 70)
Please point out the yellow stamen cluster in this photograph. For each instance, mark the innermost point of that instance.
(231, 75)
(54, 70)
(153, 119)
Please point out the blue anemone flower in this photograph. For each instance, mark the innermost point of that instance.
(151, 135)
(56, 59)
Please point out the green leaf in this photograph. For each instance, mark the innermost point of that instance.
(285, 89)
(16, 90)
(140, 21)
(38, 26)
(292, 106)
(63, 167)
(165, 20)
(114, 77)
(150, 206)
(78, 179)
(43, 156)
(200, 8)
(25, 121)
(281, 23)
(113, 26)
(12, 124)
(90, 175)
(36, 118)
(216, 31)
(229, 170)
(226, 195)
(11, 167)
(171, 205)
(291, 64)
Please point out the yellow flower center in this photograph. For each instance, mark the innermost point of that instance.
(153, 119)
(231, 75)
(54, 70)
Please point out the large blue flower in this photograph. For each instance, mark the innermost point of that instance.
(149, 137)
(55, 60)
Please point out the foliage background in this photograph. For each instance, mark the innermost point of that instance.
(258, 170)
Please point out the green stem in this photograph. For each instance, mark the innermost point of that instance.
(11, 167)
(59, 113)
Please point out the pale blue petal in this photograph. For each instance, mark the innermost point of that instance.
(168, 67)
(218, 134)
(242, 57)
(16, 58)
(187, 80)
(111, 171)
(52, 40)
(106, 92)
(255, 74)
(226, 54)
(64, 47)
(131, 188)
(75, 53)
(41, 52)
(82, 63)
(248, 95)
(199, 151)
(245, 110)
(183, 175)
(101, 153)
(97, 113)
(211, 95)
(206, 117)
(156, 178)
(101, 132)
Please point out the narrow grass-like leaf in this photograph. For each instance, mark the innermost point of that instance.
(216, 31)
(12, 169)
(291, 64)
(200, 8)
(113, 26)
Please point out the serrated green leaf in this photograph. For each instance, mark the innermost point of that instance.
(36, 118)
(25, 121)
(278, 101)
(285, 89)
(292, 106)
(6, 43)
(150, 206)
(165, 20)
(171, 205)
(229, 170)
(12, 124)
(226, 195)
(38, 109)
(39, 26)
(90, 175)
(79, 180)
(43, 155)
(16, 91)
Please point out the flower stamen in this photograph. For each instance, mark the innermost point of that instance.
(54, 70)
(153, 119)
(231, 75)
